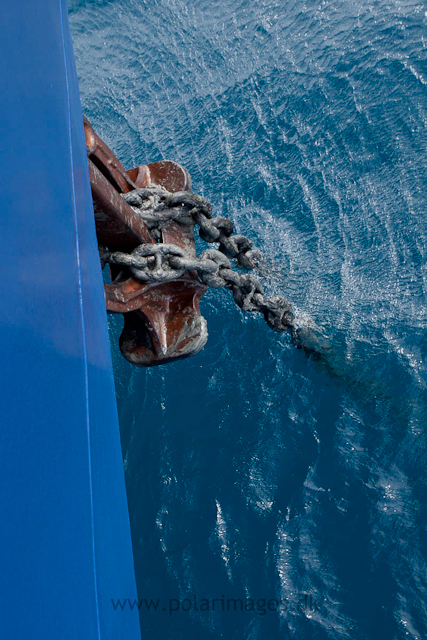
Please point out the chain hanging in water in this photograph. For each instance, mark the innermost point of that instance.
(160, 262)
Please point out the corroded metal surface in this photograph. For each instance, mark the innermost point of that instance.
(117, 224)
(162, 321)
(106, 161)
(164, 173)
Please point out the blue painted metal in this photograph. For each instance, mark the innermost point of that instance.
(64, 527)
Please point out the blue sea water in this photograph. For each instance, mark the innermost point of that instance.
(254, 472)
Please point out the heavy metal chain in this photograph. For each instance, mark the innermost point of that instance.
(160, 262)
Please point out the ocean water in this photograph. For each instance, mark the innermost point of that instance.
(256, 474)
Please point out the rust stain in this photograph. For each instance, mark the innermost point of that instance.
(162, 321)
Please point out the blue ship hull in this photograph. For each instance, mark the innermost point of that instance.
(65, 537)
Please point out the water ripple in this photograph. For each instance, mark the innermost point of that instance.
(252, 471)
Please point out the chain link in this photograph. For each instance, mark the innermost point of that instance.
(160, 262)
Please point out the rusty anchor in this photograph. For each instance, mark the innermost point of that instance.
(162, 321)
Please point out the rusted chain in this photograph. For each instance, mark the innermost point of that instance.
(163, 262)
(158, 207)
